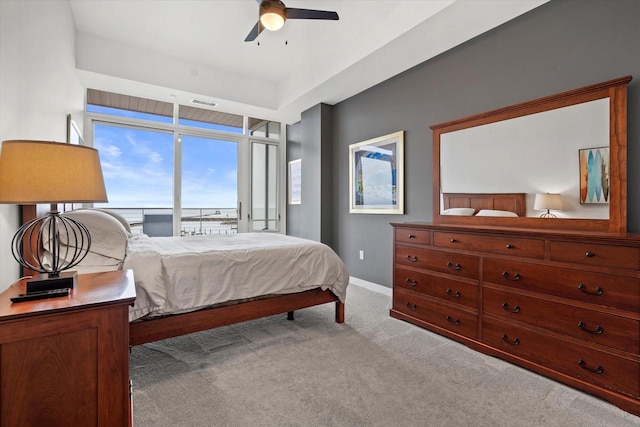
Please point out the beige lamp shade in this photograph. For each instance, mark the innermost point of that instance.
(34, 172)
(548, 202)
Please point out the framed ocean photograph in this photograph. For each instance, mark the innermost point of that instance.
(594, 175)
(376, 175)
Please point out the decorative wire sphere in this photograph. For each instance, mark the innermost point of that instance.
(51, 244)
(548, 214)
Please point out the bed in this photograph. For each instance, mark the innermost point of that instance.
(193, 283)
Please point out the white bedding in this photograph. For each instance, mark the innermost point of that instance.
(181, 274)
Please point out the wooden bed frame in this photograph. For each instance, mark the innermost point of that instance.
(160, 328)
(156, 329)
(513, 202)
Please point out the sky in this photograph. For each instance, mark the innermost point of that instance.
(138, 167)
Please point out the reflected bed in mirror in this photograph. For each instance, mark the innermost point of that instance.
(533, 148)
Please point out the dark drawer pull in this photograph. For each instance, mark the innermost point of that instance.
(412, 259)
(411, 282)
(598, 330)
(454, 267)
(506, 339)
(410, 306)
(455, 294)
(510, 277)
(453, 240)
(411, 236)
(589, 254)
(509, 246)
(583, 288)
(515, 309)
(597, 370)
(453, 322)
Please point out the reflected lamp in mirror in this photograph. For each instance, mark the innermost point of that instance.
(33, 172)
(548, 202)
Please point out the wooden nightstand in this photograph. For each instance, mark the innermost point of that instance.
(65, 361)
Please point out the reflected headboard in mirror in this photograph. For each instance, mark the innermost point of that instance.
(573, 143)
(508, 202)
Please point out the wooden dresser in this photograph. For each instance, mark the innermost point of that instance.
(64, 361)
(565, 305)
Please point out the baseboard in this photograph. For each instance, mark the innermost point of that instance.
(370, 285)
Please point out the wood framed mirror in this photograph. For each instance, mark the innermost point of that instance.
(565, 144)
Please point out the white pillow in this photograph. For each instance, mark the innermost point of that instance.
(491, 212)
(459, 211)
(108, 236)
(117, 216)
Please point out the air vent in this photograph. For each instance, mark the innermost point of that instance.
(201, 102)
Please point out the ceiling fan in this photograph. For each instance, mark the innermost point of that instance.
(273, 14)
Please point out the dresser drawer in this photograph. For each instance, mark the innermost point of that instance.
(438, 314)
(447, 289)
(444, 262)
(593, 254)
(598, 288)
(602, 328)
(531, 248)
(594, 366)
(411, 235)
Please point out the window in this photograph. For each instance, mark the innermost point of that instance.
(264, 128)
(194, 173)
(264, 180)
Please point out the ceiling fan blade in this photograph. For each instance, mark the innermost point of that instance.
(311, 14)
(255, 32)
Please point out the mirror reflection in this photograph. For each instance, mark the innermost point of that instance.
(535, 154)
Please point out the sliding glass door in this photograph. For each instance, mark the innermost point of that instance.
(265, 214)
(209, 195)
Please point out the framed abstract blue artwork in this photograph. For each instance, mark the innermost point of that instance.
(376, 175)
(594, 175)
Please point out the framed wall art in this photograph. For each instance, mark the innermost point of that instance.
(295, 182)
(376, 175)
(594, 175)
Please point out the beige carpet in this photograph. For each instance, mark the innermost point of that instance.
(371, 371)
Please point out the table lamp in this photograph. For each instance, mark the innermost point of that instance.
(548, 202)
(33, 172)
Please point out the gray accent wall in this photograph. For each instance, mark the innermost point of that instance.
(311, 140)
(559, 46)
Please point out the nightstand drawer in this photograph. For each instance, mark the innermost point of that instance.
(614, 331)
(600, 255)
(531, 248)
(441, 261)
(410, 235)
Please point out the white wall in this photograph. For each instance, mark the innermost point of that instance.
(39, 86)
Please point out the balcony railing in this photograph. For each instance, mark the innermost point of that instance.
(193, 221)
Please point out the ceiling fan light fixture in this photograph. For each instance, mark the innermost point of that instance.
(272, 15)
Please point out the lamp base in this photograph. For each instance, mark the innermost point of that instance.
(548, 215)
(42, 282)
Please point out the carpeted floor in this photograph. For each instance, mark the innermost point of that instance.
(371, 371)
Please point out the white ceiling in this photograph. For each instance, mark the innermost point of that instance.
(179, 50)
